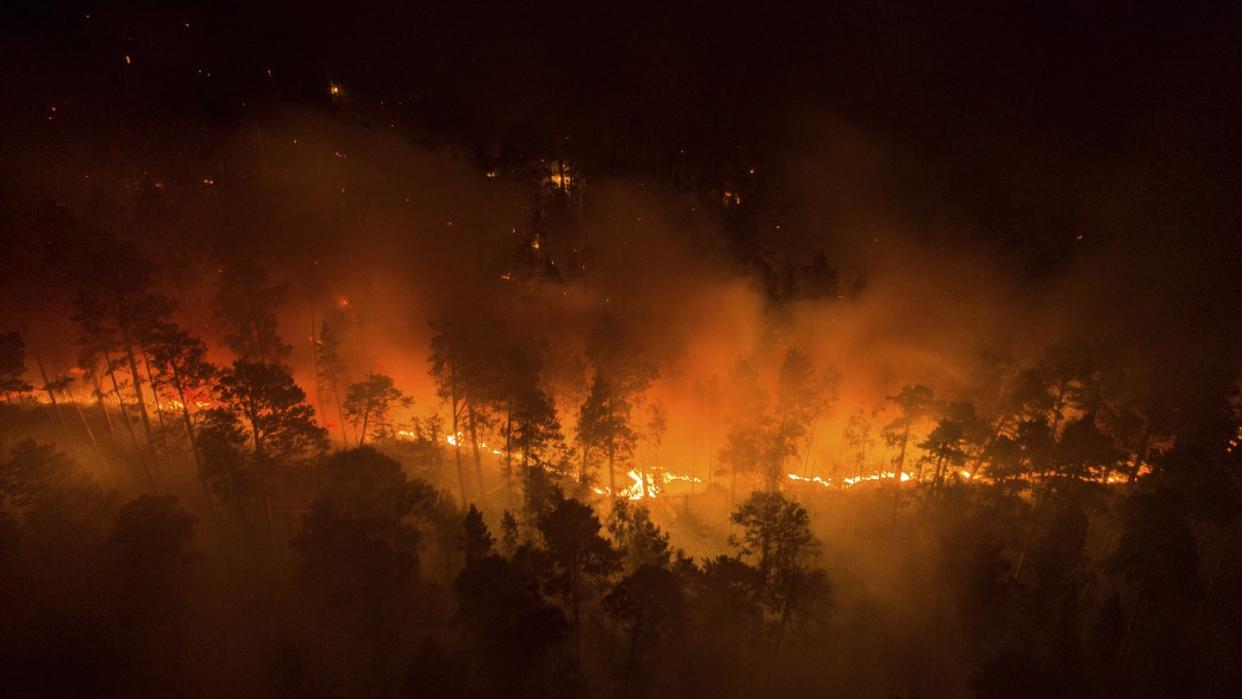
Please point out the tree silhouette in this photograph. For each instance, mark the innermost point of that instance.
(707, 400)
(278, 422)
(527, 414)
(12, 365)
(858, 436)
(913, 404)
(116, 309)
(464, 375)
(359, 557)
(776, 537)
(604, 424)
(182, 370)
(476, 540)
(330, 371)
(638, 539)
(513, 632)
(801, 396)
(245, 306)
(745, 442)
(579, 558)
(944, 447)
(368, 406)
(646, 604)
(621, 374)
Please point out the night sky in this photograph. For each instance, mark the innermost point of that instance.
(1024, 124)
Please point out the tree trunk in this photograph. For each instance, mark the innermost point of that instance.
(317, 385)
(781, 628)
(1040, 500)
(340, 411)
(582, 472)
(707, 484)
(142, 402)
(996, 429)
(133, 438)
(99, 393)
(629, 659)
(732, 488)
(159, 411)
(51, 395)
(901, 457)
(901, 463)
(193, 440)
(366, 417)
(478, 459)
(461, 474)
(509, 459)
(91, 434)
(612, 476)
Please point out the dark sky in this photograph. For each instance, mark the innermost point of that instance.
(1025, 120)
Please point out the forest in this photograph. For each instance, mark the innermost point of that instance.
(383, 374)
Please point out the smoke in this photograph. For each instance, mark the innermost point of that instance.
(381, 235)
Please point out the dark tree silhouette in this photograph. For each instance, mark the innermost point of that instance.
(579, 558)
(637, 538)
(465, 374)
(245, 306)
(183, 372)
(622, 374)
(368, 406)
(278, 422)
(604, 424)
(331, 373)
(646, 604)
(359, 559)
(476, 540)
(913, 404)
(13, 365)
(776, 537)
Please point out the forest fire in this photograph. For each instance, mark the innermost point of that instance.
(850, 350)
(646, 485)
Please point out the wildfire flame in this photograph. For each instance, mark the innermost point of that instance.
(655, 484)
(849, 481)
